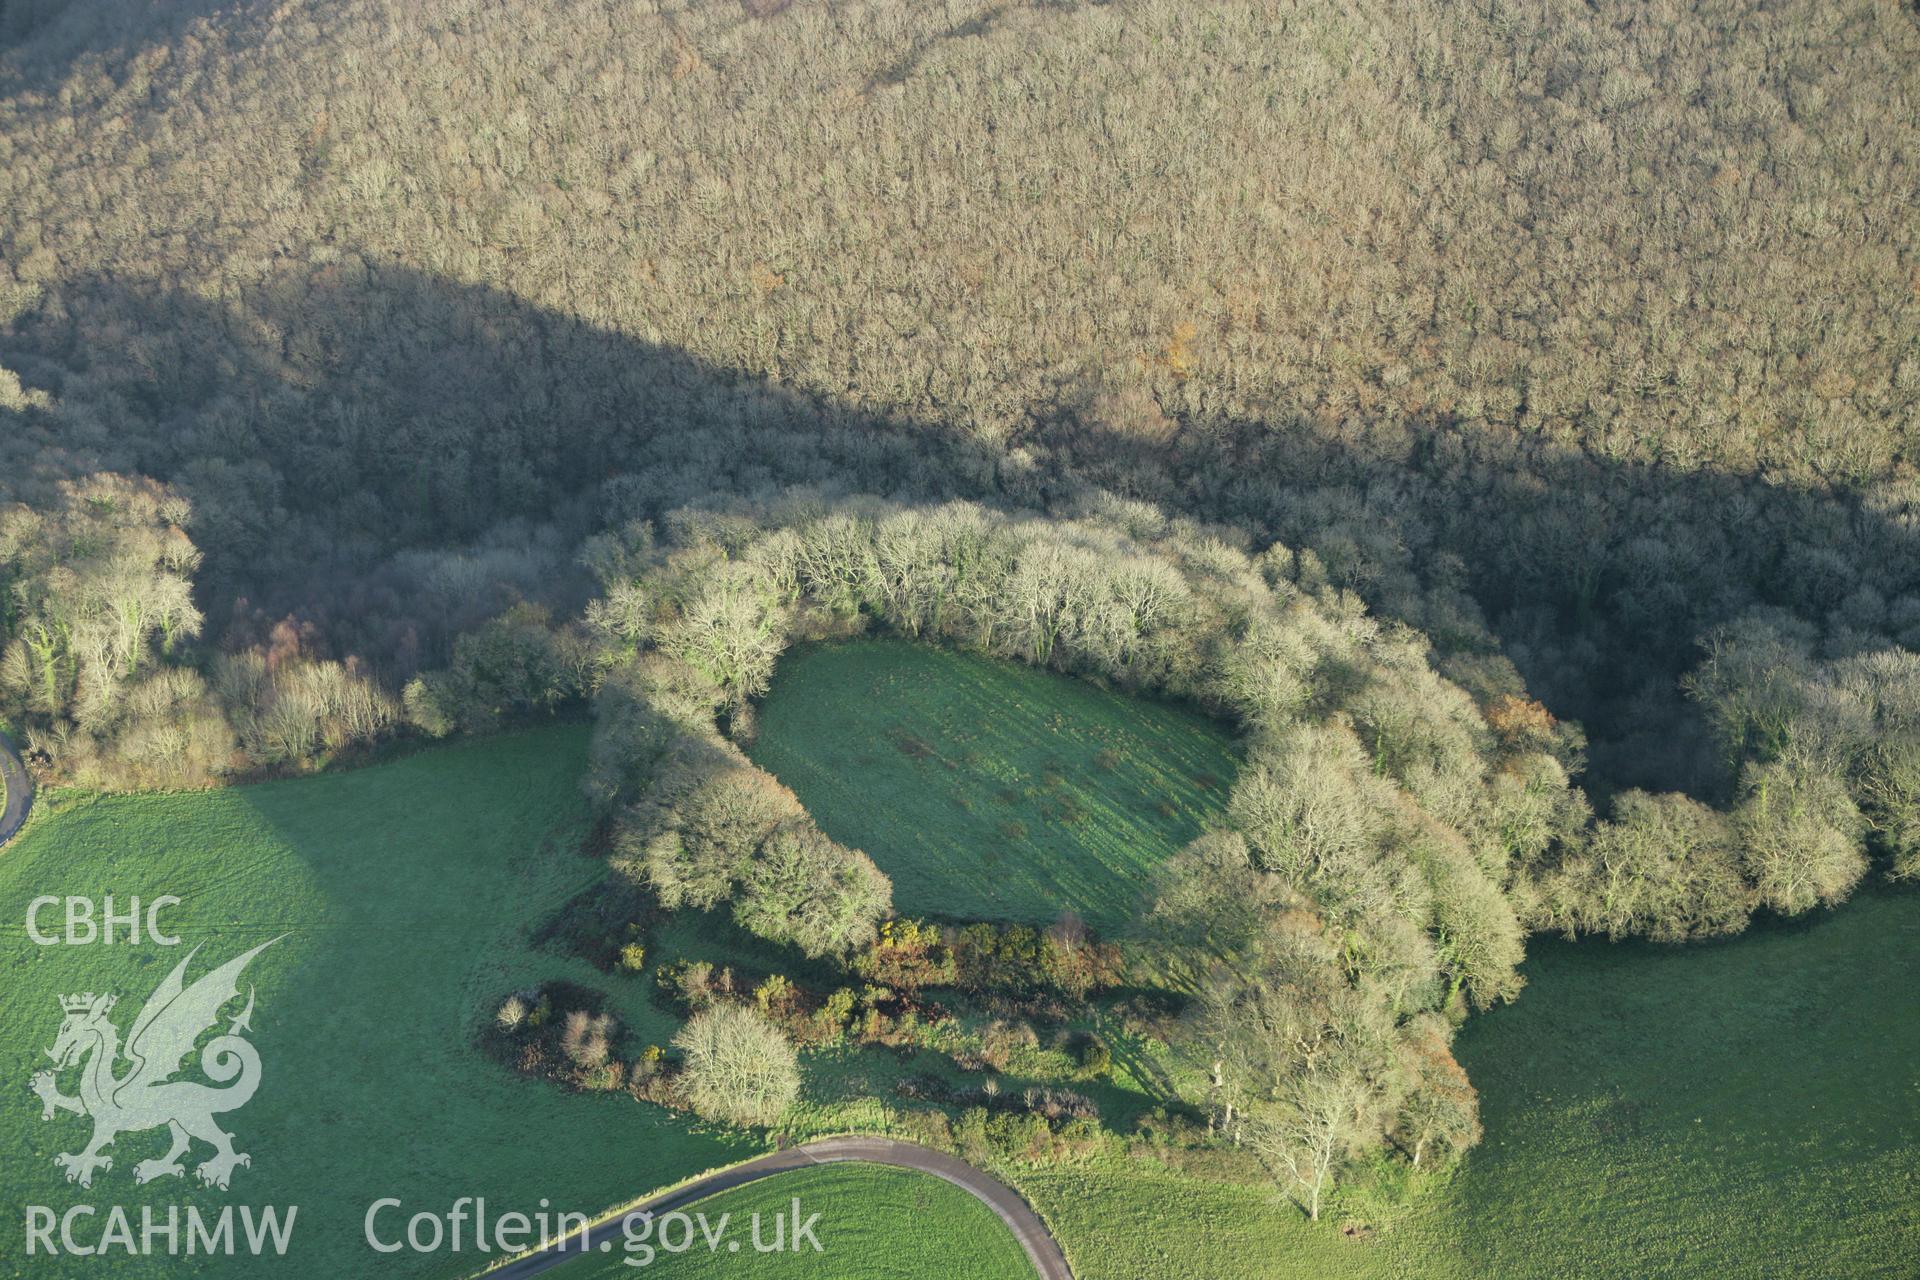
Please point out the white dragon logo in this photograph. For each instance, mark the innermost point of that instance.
(145, 1098)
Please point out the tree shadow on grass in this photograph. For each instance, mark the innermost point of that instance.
(431, 876)
(1131, 1054)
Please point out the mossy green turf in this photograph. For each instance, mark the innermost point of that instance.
(987, 789)
(876, 1223)
(407, 892)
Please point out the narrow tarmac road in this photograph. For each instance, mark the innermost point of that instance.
(1048, 1262)
(13, 773)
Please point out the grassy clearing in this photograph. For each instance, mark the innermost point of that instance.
(407, 891)
(876, 1223)
(987, 789)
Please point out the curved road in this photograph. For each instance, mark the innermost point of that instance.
(1025, 1224)
(19, 789)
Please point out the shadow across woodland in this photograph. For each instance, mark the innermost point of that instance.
(44, 41)
(335, 417)
(1597, 578)
(336, 420)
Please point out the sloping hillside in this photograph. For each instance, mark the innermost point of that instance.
(1605, 314)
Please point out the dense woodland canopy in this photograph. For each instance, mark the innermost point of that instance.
(363, 366)
(1603, 316)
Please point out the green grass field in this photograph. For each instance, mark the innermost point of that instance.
(406, 891)
(987, 789)
(876, 1223)
(1746, 1108)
